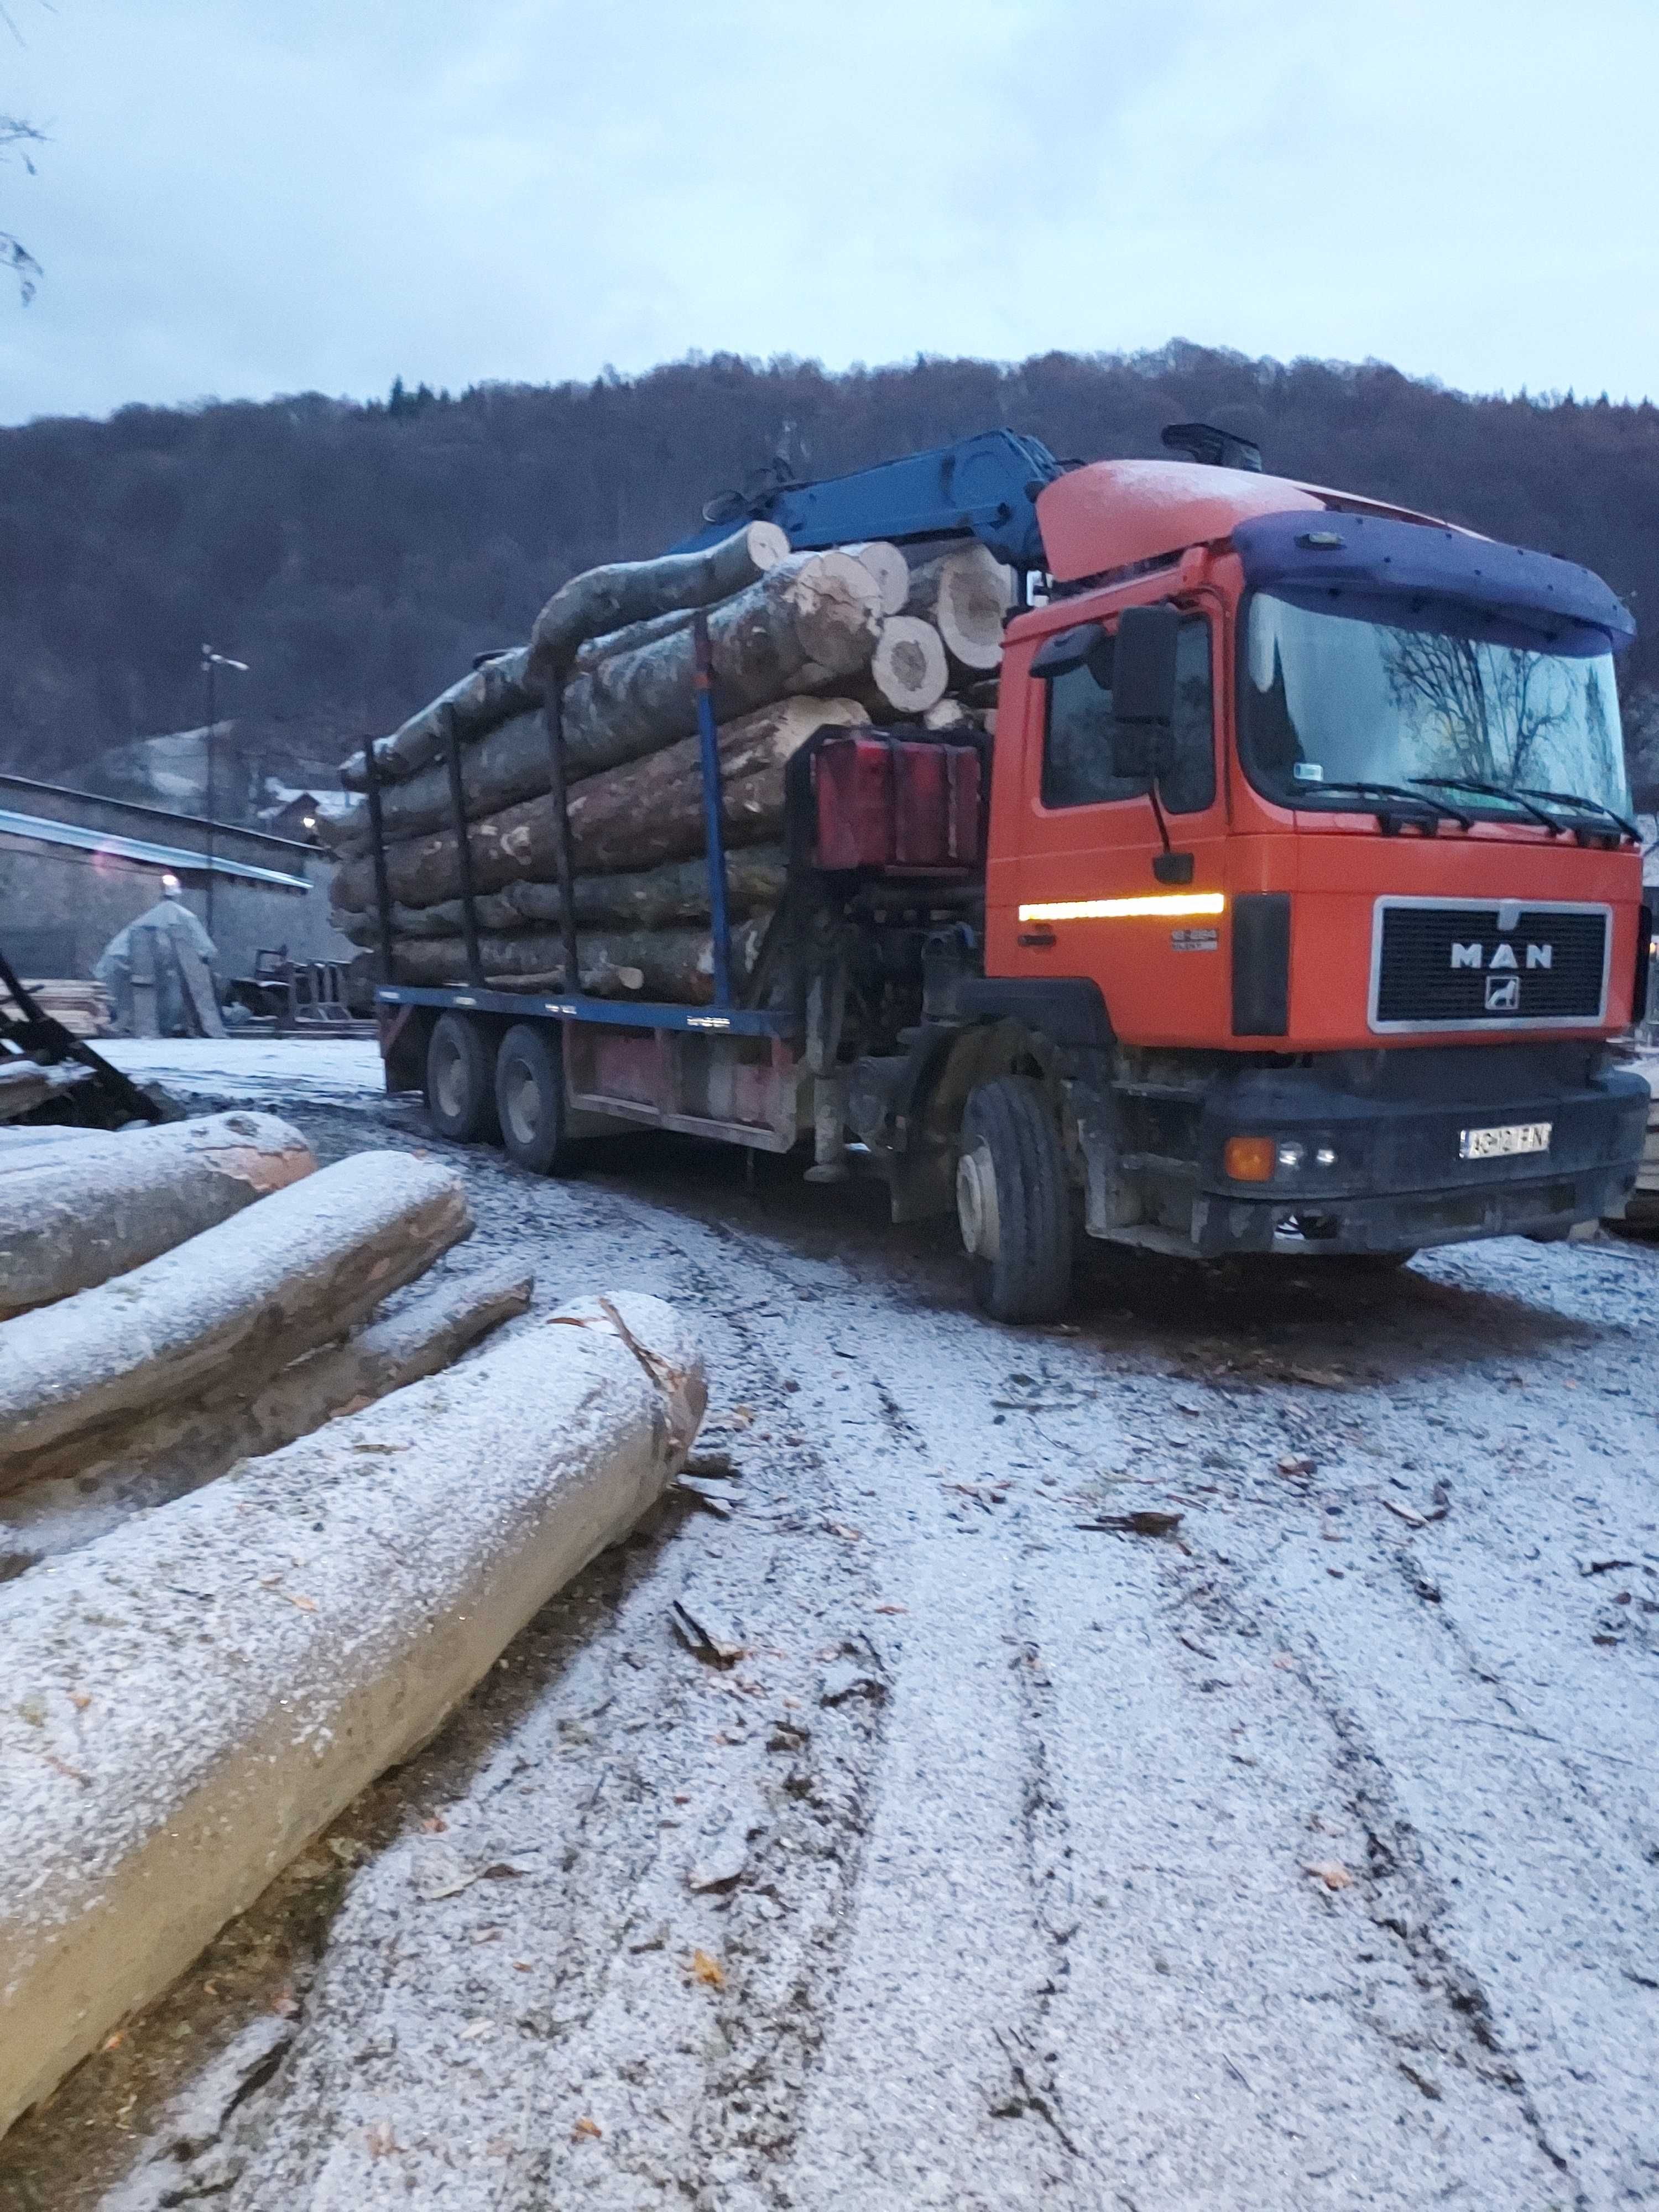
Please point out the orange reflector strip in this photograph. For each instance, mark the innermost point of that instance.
(1250, 1159)
(1176, 904)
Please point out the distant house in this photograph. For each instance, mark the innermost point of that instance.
(296, 813)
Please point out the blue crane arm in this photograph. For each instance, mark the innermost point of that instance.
(985, 487)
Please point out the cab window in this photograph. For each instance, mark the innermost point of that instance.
(1077, 748)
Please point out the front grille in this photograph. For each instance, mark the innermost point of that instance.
(1453, 966)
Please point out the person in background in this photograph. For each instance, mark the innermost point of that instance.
(114, 966)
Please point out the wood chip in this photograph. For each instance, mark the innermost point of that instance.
(1408, 1514)
(1331, 1872)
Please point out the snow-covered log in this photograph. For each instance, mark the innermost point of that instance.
(304, 1264)
(84, 1488)
(78, 1217)
(194, 1697)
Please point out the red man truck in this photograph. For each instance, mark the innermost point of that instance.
(1294, 909)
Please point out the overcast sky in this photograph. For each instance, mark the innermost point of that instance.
(247, 197)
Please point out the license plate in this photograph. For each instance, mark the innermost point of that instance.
(1501, 1143)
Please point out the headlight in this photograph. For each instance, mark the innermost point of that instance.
(1291, 1155)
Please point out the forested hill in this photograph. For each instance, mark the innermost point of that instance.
(357, 556)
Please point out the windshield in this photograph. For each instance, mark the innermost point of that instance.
(1325, 699)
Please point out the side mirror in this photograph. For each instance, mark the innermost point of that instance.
(1144, 691)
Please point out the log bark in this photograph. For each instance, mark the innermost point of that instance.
(676, 966)
(77, 1218)
(486, 696)
(889, 569)
(163, 1756)
(596, 649)
(508, 763)
(649, 898)
(637, 591)
(964, 594)
(79, 1494)
(627, 818)
(304, 1264)
(814, 608)
(907, 671)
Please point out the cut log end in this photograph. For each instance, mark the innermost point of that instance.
(965, 593)
(889, 569)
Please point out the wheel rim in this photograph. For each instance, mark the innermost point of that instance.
(449, 1081)
(522, 1104)
(976, 1204)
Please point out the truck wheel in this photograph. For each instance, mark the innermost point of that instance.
(460, 1089)
(530, 1099)
(1013, 1202)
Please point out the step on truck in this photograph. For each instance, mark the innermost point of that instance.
(1294, 909)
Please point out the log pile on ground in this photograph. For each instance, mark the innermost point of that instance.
(196, 1694)
(798, 641)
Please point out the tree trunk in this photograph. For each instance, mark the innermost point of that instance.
(481, 700)
(177, 1448)
(965, 595)
(814, 608)
(889, 569)
(650, 898)
(252, 1294)
(629, 819)
(510, 764)
(676, 966)
(907, 673)
(79, 1218)
(638, 591)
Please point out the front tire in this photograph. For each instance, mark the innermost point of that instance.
(530, 1099)
(460, 1086)
(1013, 1202)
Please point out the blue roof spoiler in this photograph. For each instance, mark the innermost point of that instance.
(1367, 565)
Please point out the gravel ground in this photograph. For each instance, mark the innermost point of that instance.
(1308, 1855)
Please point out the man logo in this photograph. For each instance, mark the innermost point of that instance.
(1472, 956)
(1502, 994)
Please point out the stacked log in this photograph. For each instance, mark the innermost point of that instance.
(797, 642)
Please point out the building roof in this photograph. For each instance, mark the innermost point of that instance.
(175, 857)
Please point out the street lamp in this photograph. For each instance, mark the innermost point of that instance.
(211, 663)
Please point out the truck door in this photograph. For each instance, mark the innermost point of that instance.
(1090, 900)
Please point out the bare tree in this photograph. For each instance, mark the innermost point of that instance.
(14, 254)
(1484, 711)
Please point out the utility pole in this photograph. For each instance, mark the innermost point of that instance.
(211, 663)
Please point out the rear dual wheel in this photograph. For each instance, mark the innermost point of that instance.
(461, 1081)
(1014, 1201)
(511, 1094)
(530, 1099)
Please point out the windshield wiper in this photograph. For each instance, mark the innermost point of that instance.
(1573, 799)
(1495, 791)
(1435, 807)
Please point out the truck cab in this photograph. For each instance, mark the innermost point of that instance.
(1308, 865)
